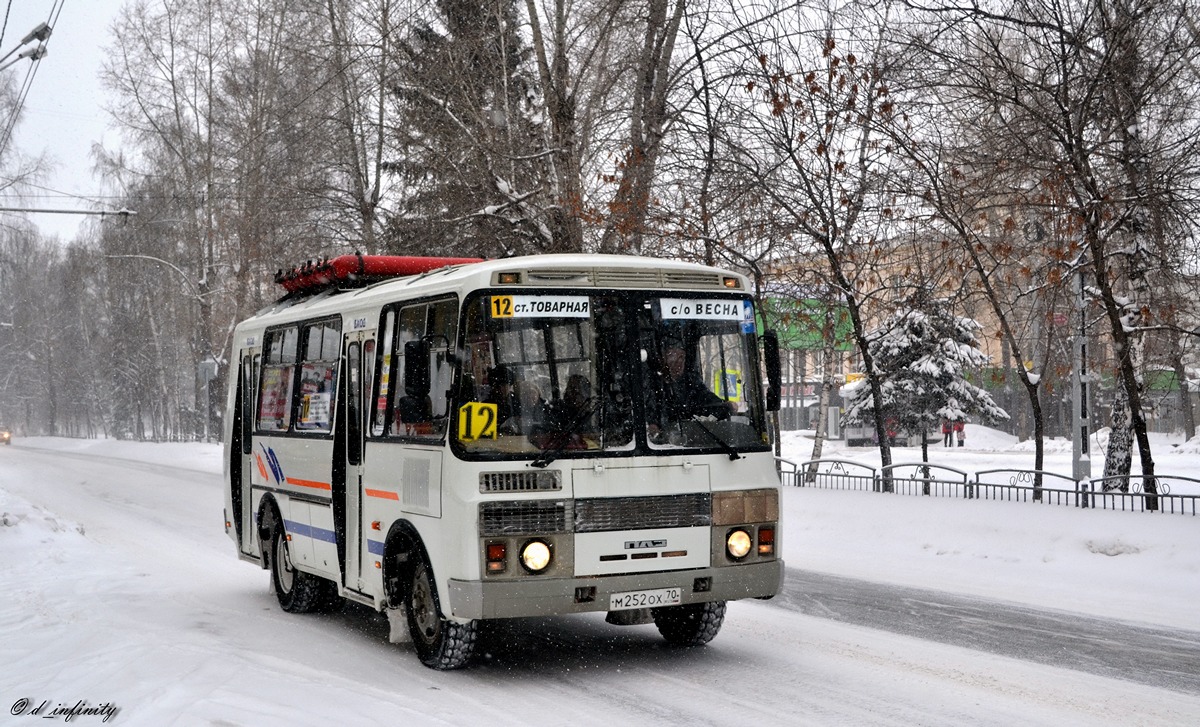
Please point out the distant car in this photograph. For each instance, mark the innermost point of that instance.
(5, 435)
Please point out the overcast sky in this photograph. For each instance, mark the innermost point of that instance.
(63, 115)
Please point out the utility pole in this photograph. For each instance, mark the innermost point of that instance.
(1081, 460)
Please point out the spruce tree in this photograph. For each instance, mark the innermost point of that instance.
(925, 355)
(469, 136)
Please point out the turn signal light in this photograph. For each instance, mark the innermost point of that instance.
(766, 540)
(497, 557)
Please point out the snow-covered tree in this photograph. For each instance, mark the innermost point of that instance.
(924, 355)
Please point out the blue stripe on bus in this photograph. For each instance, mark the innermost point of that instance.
(375, 547)
(310, 531)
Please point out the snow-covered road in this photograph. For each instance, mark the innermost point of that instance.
(121, 589)
(1154, 656)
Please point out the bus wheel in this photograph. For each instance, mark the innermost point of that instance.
(441, 644)
(693, 624)
(298, 592)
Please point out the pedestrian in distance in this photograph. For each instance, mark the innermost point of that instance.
(947, 433)
(960, 429)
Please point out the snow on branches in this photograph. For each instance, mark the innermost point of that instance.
(924, 358)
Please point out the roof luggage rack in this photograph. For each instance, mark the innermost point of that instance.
(358, 270)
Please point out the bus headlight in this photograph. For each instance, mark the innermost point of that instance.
(738, 544)
(535, 556)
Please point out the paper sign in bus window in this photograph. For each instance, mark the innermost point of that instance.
(697, 309)
(727, 384)
(540, 306)
(477, 420)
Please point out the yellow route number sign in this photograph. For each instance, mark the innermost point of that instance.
(502, 306)
(477, 420)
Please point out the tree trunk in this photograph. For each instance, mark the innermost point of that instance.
(827, 381)
(1128, 352)
(1185, 397)
(566, 228)
(631, 203)
(1118, 457)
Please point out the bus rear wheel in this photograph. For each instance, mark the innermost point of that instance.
(297, 591)
(693, 624)
(440, 643)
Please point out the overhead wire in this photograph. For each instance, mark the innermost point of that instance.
(355, 56)
(4, 28)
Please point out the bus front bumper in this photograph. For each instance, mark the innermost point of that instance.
(554, 596)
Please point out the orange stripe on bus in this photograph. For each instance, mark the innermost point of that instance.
(309, 483)
(383, 494)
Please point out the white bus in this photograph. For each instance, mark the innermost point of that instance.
(451, 441)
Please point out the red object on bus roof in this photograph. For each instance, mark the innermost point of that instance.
(360, 269)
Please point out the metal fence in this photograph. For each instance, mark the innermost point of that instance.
(1128, 493)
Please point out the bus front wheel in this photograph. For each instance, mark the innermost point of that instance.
(297, 591)
(693, 624)
(441, 644)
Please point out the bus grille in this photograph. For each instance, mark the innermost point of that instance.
(628, 278)
(687, 279)
(540, 481)
(522, 517)
(625, 278)
(635, 513)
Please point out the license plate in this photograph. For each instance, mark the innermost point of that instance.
(645, 599)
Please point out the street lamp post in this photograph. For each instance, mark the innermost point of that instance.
(40, 34)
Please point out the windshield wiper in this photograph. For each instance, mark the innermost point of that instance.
(725, 446)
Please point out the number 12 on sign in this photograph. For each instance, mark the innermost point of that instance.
(477, 420)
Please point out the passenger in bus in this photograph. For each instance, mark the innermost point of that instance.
(681, 392)
(531, 410)
(577, 397)
(501, 392)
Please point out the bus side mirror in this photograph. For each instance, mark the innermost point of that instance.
(771, 359)
(416, 368)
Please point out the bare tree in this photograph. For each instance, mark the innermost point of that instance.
(819, 149)
(1097, 100)
(360, 47)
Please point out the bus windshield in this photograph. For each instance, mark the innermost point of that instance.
(557, 374)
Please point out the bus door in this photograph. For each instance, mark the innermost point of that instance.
(347, 504)
(241, 455)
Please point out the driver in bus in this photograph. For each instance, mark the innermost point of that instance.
(680, 392)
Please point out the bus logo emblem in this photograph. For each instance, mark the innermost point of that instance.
(643, 544)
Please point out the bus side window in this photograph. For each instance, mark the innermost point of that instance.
(379, 423)
(318, 376)
(246, 412)
(420, 413)
(442, 332)
(410, 410)
(278, 375)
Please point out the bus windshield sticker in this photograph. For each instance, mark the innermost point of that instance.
(747, 317)
(706, 310)
(540, 306)
(477, 420)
